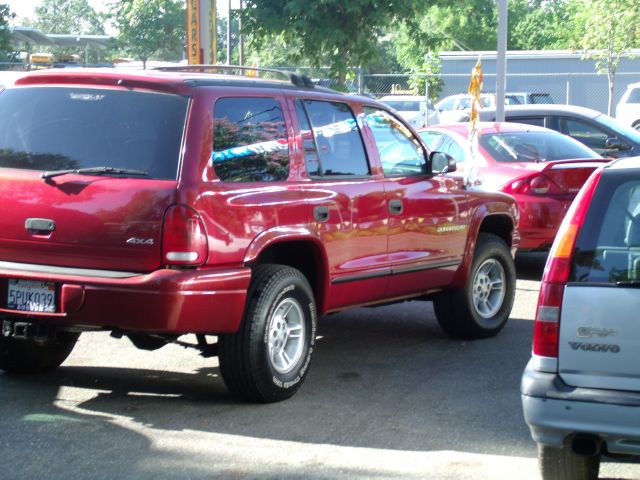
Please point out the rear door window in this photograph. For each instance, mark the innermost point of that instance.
(250, 142)
(336, 139)
(537, 121)
(60, 128)
(608, 246)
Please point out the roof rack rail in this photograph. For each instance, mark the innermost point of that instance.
(296, 79)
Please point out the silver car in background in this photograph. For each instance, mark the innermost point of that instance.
(581, 388)
(417, 110)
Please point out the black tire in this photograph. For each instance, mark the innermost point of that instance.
(464, 315)
(35, 356)
(563, 464)
(261, 361)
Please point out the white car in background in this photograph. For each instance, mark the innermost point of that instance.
(628, 108)
(417, 110)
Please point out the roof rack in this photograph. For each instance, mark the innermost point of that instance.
(296, 79)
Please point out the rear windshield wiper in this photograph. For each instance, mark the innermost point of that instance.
(94, 171)
(628, 283)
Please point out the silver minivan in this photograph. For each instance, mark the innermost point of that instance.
(581, 388)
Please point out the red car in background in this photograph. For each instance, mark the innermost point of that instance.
(541, 168)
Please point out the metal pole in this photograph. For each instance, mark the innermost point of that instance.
(229, 35)
(501, 61)
(568, 89)
(241, 39)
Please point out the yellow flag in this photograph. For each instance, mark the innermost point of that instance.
(475, 89)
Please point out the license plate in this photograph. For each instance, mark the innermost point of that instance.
(31, 296)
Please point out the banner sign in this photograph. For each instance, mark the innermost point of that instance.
(193, 32)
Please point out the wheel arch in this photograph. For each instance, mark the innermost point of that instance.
(298, 248)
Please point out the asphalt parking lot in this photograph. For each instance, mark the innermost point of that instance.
(389, 396)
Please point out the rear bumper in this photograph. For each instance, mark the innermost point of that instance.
(540, 218)
(553, 410)
(167, 301)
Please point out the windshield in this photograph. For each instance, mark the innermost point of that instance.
(63, 128)
(533, 147)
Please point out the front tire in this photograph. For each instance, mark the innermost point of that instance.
(267, 360)
(564, 464)
(481, 309)
(35, 355)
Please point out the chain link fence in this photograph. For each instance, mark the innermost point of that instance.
(575, 88)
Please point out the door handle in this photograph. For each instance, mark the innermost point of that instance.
(395, 206)
(321, 213)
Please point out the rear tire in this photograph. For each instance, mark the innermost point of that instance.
(481, 309)
(563, 464)
(35, 356)
(267, 359)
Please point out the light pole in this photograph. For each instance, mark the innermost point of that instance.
(501, 60)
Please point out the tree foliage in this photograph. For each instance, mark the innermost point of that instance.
(6, 48)
(68, 17)
(332, 33)
(607, 29)
(149, 27)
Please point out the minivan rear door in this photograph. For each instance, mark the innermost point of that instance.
(600, 318)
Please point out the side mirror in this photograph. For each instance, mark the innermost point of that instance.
(441, 163)
(613, 143)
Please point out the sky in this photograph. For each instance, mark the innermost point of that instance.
(25, 8)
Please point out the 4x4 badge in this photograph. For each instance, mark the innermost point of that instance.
(140, 241)
(590, 332)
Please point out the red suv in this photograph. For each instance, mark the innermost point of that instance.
(161, 203)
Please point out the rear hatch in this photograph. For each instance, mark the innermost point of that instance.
(124, 146)
(600, 323)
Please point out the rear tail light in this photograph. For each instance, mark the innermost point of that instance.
(184, 241)
(546, 330)
(536, 184)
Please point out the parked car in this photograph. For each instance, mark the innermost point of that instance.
(455, 108)
(596, 130)
(628, 108)
(541, 168)
(416, 110)
(526, 98)
(581, 388)
(154, 204)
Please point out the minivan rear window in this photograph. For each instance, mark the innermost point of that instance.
(58, 128)
(608, 246)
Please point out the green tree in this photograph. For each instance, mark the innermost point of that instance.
(6, 48)
(608, 28)
(330, 33)
(150, 27)
(68, 17)
(542, 24)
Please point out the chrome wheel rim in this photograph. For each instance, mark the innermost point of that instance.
(489, 288)
(286, 336)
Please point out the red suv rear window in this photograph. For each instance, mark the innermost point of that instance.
(55, 128)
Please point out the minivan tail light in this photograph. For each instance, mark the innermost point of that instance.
(546, 331)
(184, 240)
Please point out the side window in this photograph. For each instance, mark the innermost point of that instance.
(451, 147)
(311, 158)
(250, 141)
(339, 149)
(591, 136)
(536, 121)
(400, 151)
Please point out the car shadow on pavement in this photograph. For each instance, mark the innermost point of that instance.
(383, 377)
